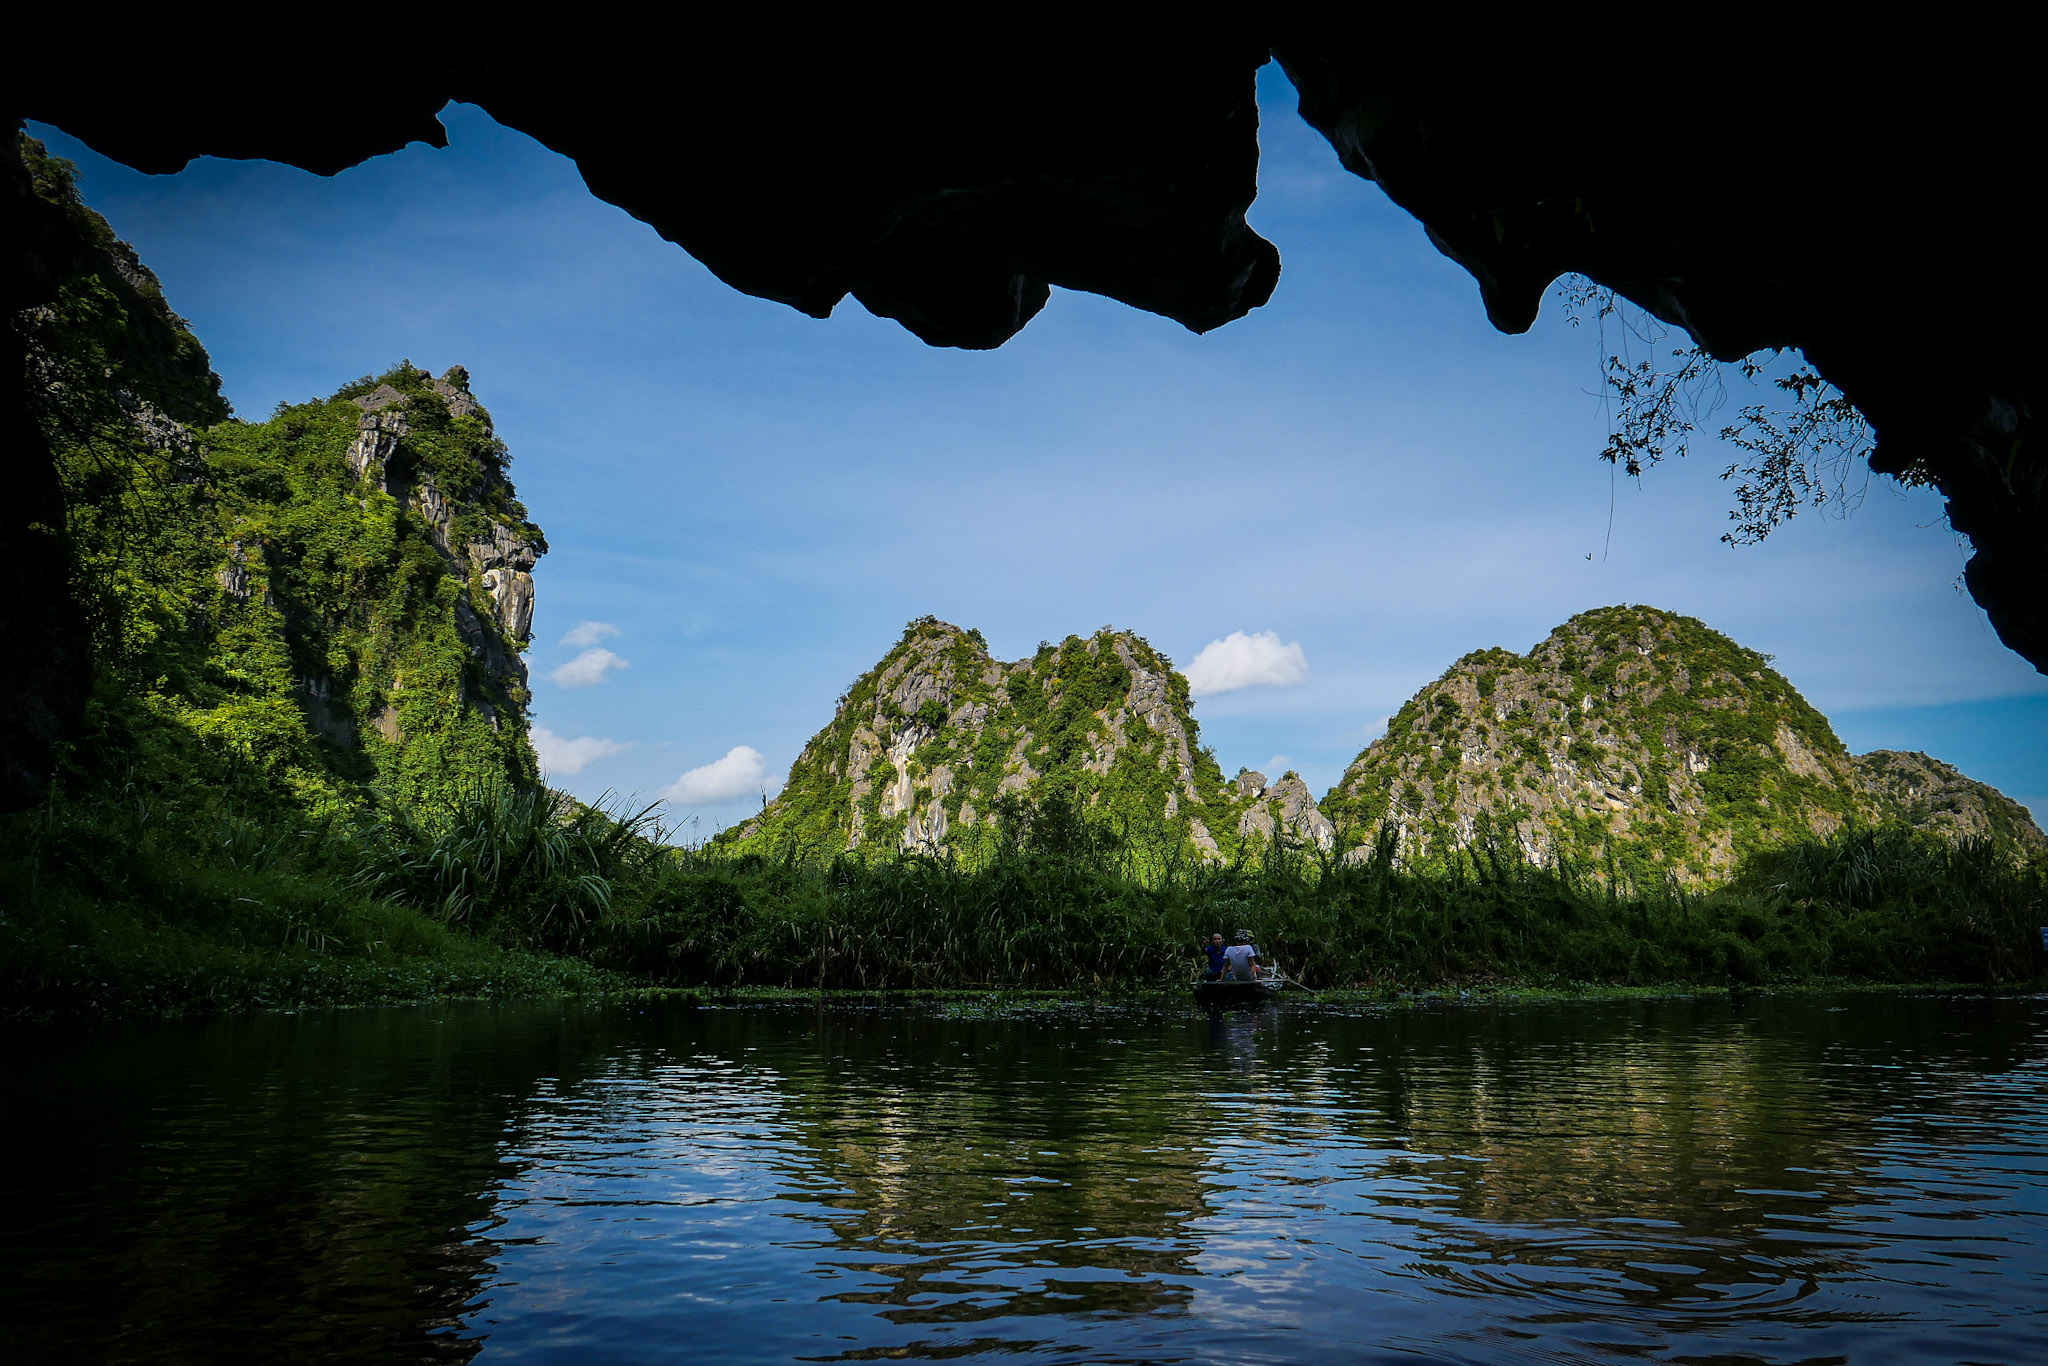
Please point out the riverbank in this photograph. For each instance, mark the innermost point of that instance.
(128, 966)
(1000, 1001)
(1874, 906)
(163, 972)
(110, 912)
(126, 909)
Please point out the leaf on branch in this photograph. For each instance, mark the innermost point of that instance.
(1807, 455)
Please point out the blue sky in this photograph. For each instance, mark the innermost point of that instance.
(756, 501)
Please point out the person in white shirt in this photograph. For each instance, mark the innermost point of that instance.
(1241, 960)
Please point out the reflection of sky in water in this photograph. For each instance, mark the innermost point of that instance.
(1289, 1188)
(1778, 1180)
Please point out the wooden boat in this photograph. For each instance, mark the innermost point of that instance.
(1227, 991)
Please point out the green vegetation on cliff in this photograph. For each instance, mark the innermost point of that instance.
(307, 777)
(1640, 739)
(309, 606)
(354, 637)
(927, 749)
(298, 626)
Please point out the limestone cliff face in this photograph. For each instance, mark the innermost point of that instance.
(1644, 736)
(496, 552)
(428, 446)
(1282, 810)
(1932, 795)
(328, 600)
(1629, 731)
(925, 746)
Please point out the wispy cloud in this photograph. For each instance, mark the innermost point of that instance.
(587, 633)
(588, 668)
(743, 772)
(563, 757)
(1243, 661)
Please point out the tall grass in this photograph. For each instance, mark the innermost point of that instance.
(1043, 907)
(1912, 904)
(523, 865)
(125, 897)
(133, 899)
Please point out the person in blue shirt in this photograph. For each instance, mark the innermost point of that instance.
(1215, 950)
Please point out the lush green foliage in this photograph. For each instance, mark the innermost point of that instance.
(260, 617)
(353, 614)
(1630, 734)
(521, 864)
(207, 902)
(1060, 901)
(1062, 725)
(281, 649)
(147, 900)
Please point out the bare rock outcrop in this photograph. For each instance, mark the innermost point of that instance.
(1283, 813)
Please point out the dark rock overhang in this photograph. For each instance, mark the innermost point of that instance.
(1859, 196)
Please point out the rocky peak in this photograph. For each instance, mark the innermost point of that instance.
(1645, 737)
(453, 387)
(1629, 730)
(1285, 812)
(380, 398)
(924, 747)
(1932, 795)
(498, 555)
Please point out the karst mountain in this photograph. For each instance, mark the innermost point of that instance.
(927, 749)
(308, 609)
(1629, 738)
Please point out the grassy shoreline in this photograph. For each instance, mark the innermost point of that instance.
(1448, 994)
(296, 987)
(177, 975)
(197, 904)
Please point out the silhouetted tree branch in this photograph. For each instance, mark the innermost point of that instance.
(1807, 446)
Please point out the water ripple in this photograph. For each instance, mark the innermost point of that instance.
(1854, 1180)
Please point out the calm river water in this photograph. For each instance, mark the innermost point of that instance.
(1863, 1179)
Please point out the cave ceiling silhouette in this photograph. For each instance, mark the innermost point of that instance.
(1857, 195)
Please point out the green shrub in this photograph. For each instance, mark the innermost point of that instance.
(524, 865)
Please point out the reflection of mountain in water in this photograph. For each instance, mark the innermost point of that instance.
(990, 1146)
(849, 1183)
(1682, 1161)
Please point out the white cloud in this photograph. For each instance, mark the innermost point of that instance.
(741, 773)
(587, 668)
(1242, 661)
(587, 633)
(563, 757)
(1276, 767)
